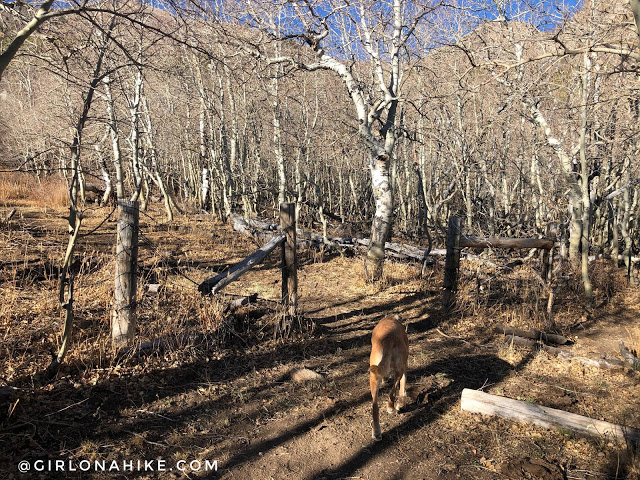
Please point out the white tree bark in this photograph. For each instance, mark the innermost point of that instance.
(134, 142)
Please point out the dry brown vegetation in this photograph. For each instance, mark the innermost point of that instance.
(221, 389)
(23, 189)
(523, 121)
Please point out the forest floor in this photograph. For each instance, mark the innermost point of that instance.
(226, 394)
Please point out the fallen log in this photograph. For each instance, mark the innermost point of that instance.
(257, 228)
(398, 249)
(533, 334)
(261, 230)
(234, 305)
(217, 283)
(528, 342)
(564, 354)
(475, 401)
(628, 356)
(494, 242)
(255, 223)
(603, 362)
(593, 258)
(253, 228)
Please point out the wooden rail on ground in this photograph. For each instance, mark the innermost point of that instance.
(215, 284)
(475, 401)
(289, 262)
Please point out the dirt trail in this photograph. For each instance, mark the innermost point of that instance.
(325, 433)
(238, 405)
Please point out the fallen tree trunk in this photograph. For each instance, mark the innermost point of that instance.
(475, 401)
(528, 342)
(251, 228)
(258, 229)
(234, 305)
(564, 354)
(262, 230)
(398, 249)
(593, 258)
(533, 334)
(628, 356)
(494, 242)
(217, 283)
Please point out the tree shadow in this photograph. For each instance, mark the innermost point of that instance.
(419, 415)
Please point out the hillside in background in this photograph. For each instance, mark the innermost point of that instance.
(380, 125)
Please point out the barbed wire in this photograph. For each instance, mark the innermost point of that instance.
(156, 250)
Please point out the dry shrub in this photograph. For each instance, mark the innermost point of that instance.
(51, 191)
(398, 273)
(605, 278)
(489, 295)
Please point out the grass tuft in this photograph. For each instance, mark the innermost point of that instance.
(24, 188)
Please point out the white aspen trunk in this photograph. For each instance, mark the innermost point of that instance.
(115, 138)
(169, 204)
(492, 191)
(108, 188)
(204, 193)
(395, 183)
(575, 193)
(467, 195)
(383, 218)
(234, 140)
(204, 184)
(584, 176)
(225, 167)
(277, 138)
(134, 112)
(614, 221)
(626, 209)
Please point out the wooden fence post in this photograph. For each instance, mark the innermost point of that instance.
(551, 232)
(452, 262)
(289, 258)
(123, 325)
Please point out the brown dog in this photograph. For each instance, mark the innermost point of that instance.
(389, 355)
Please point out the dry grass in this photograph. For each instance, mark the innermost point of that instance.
(24, 189)
(518, 298)
(634, 340)
(199, 372)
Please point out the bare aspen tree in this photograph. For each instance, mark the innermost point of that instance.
(382, 31)
(154, 171)
(75, 216)
(21, 36)
(115, 137)
(134, 142)
(585, 81)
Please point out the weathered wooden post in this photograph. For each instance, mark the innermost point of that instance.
(551, 233)
(289, 258)
(452, 262)
(123, 324)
